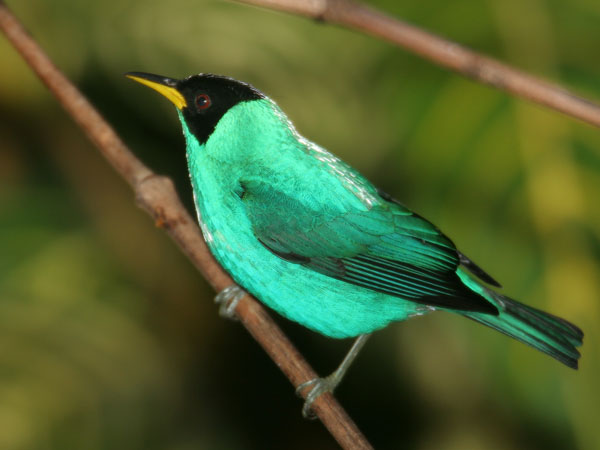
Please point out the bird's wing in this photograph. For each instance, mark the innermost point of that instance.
(464, 260)
(386, 248)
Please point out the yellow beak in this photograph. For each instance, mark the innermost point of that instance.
(162, 85)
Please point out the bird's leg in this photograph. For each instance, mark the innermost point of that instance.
(329, 383)
(228, 299)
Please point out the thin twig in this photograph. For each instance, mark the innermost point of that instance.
(157, 196)
(440, 51)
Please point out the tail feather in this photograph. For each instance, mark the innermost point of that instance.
(545, 332)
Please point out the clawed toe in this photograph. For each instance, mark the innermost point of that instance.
(328, 384)
(228, 299)
(319, 387)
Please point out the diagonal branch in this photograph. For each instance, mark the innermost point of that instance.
(442, 52)
(157, 196)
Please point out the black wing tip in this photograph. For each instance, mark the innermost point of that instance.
(576, 332)
(574, 365)
(568, 355)
(486, 308)
(476, 270)
(570, 360)
(488, 279)
(464, 301)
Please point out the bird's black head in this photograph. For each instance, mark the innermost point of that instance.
(203, 99)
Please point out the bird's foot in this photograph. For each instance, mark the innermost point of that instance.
(319, 387)
(329, 383)
(228, 299)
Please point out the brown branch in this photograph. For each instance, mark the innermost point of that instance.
(440, 51)
(157, 196)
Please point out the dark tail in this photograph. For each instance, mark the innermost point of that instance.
(545, 332)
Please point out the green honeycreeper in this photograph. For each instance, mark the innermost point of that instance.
(314, 240)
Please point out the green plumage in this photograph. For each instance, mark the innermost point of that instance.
(313, 239)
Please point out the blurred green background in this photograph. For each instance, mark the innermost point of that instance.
(109, 338)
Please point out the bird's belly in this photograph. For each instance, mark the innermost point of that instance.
(324, 304)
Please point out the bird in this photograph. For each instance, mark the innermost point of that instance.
(317, 242)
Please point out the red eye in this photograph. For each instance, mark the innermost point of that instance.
(202, 101)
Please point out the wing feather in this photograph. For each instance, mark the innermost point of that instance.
(386, 248)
